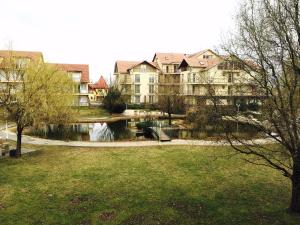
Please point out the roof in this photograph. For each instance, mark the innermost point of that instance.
(124, 66)
(83, 68)
(169, 58)
(200, 63)
(23, 54)
(195, 55)
(100, 84)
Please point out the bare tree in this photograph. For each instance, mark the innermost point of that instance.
(268, 41)
(171, 102)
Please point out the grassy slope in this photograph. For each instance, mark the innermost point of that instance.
(169, 185)
(96, 112)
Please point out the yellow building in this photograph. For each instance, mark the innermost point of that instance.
(98, 91)
(169, 77)
(206, 74)
(137, 81)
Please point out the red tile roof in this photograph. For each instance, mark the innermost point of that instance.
(100, 84)
(124, 66)
(83, 68)
(24, 54)
(169, 58)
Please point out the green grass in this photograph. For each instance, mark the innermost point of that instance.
(95, 112)
(154, 185)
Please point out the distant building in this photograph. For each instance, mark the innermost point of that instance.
(198, 77)
(169, 77)
(78, 72)
(206, 74)
(80, 75)
(98, 91)
(137, 81)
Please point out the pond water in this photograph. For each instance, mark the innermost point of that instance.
(121, 130)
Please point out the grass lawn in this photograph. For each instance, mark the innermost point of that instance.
(154, 185)
(95, 112)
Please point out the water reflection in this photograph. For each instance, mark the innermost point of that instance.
(126, 130)
(100, 132)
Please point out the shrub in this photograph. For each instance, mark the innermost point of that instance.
(114, 101)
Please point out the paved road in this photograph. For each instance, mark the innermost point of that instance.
(39, 141)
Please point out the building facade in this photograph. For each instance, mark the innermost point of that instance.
(137, 81)
(206, 76)
(80, 75)
(98, 91)
(78, 72)
(197, 77)
(169, 76)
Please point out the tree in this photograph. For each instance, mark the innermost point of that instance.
(268, 39)
(33, 93)
(114, 101)
(171, 103)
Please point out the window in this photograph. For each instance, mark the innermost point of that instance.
(175, 68)
(229, 90)
(207, 56)
(137, 99)
(137, 89)
(189, 77)
(151, 89)
(143, 68)
(83, 88)
(194, 78)
(230, 77)
(137, 78)
(21, 62)
(1, 59)
(151, 99)
(167, 69)
(76, 76)
(151, 79)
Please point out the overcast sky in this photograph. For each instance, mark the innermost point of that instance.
(100, 32)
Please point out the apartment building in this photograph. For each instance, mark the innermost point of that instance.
(197, 77)
(137, 80)
(80, 75)
(78, 72)
(206, 74)
(169, 77)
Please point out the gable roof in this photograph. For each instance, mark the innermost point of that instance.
(169, 58)
(100, 84)
(83, 68)
(23, 54)
(195, 55)
(124, 66)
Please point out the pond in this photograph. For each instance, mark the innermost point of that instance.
(125, 130)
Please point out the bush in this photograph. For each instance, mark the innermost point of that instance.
(114, 101)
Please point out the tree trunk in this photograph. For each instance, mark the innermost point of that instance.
(170, 119)
(295, 201)
(19, 140)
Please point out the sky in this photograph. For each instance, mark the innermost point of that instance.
(98, 33)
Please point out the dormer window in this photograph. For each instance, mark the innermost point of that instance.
(76, 76)
(207, 56)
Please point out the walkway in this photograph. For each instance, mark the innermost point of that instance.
(39, 141)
